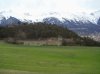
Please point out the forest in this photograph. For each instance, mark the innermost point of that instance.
(41, 31)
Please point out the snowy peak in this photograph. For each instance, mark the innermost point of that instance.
(12, 20)
(52, 20)
(9, 21)
(78, 16)
(31, 17)
(53, 17)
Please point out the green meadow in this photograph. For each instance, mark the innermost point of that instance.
(21, 59)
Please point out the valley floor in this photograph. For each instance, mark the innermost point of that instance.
(25, 59)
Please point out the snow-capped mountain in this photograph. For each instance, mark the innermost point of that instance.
(10, 20)
(26, 16)
(80, 27)
(82, 23)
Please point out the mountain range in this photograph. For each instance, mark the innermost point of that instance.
(84, 24)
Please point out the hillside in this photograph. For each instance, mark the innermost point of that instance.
(43, 31)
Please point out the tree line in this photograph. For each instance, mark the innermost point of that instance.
(40, 30)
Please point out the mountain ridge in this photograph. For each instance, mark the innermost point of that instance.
(83, 24)
(79, 16)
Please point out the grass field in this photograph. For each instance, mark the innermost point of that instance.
(20, 59)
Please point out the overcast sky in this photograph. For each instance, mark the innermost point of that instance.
(42, 6)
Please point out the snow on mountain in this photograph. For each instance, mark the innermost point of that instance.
(81, 23)
(26, 16)
(61, 16)
(76, 16)
(7, 18)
